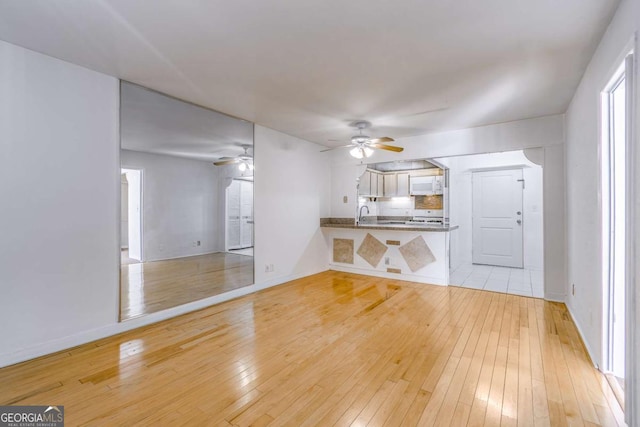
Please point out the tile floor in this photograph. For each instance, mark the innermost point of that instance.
(518, 281)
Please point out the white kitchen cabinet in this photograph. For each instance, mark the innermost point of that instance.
(374, 184)
(390, 184)
(364, 188)
(402, 184)
(380, 181)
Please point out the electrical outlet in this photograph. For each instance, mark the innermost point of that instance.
(345, 199)
(268, 268)
(573, 289)
(199, 243)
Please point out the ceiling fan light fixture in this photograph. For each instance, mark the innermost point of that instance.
(361, 152)
(244, 165)
(356, 152)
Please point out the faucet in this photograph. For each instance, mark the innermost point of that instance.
(360, 213)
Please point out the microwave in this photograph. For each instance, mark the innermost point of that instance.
(425, 185)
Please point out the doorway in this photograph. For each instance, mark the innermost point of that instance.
(131, 218)
(484, 182)
(614, 188)
(497, 218)
(239, 224)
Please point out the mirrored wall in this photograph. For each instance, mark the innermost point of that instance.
(186, 202)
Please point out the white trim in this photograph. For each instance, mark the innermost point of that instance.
(606, 158)
(499, 168)
(583, 337)
(632, 394)
(632, 397)
(403, 276)
(183, 256)
(555, 297)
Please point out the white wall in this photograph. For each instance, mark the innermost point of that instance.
(460, 202)
(582, 171)
(180, 205)
(291, 195)
(545, 132)
(60, 179)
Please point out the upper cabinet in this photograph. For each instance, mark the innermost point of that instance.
(380, 186)
(399, 184)
(390, 184)
(402, 186)
(364, 187)
(396, 184)
(371, 184)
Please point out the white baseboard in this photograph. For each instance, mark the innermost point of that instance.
(284, 279)
(49, 347)
(386, 275)
(555, 296)
(210, 252)
(583, 338)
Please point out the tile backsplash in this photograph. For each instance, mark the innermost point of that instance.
(398, 206)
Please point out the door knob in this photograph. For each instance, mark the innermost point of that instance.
(519, 213)
(519, 221)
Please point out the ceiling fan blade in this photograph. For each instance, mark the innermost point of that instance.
(387, 147)
(226, 162)
(383, 139)
(335, 148)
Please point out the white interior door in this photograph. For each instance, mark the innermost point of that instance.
(240, 214)
(246, 214)
(134, 213)
(497, 218)
(124, 212)
(233, 215)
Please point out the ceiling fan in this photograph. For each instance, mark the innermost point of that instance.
(244, 160)
(363, 145)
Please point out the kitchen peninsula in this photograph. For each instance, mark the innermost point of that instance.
(400, 228)
(389, 247)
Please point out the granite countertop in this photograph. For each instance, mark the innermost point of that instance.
(350, 223)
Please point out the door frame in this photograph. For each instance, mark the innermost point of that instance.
(632, 332)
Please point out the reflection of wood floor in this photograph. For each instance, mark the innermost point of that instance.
(333, 349)
(153, 286)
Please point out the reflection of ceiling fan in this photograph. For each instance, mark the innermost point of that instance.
(244, 160)
(362, 145)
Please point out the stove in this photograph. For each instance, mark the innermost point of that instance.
(426, 220)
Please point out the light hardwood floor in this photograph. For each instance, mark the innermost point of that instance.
(333, 349)
(153, 286)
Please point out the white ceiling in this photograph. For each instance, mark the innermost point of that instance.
(155, 123)
(309, 68)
